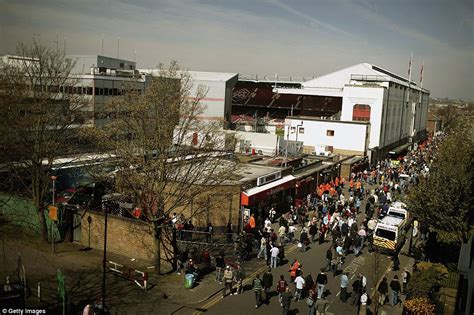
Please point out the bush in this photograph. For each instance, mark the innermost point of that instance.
(426, 280)
(419, 306)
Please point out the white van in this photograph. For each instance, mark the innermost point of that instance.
(389, 234)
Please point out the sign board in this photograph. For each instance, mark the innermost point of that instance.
(53, 213)
(262, 180)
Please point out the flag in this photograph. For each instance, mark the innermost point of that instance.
(409, 67)
(421, 73)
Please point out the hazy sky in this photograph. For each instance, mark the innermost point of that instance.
(288, 38)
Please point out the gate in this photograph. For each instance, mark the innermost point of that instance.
(77, 227)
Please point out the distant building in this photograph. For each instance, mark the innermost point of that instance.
(100, 78)
(218, 99)
(394, 108)
(433, 124)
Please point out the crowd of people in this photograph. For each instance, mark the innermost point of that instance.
(327, 214)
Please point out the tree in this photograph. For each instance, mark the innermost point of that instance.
(444, 199)
(38, 114)
(167, 155)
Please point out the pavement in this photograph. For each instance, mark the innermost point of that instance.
(82, 270)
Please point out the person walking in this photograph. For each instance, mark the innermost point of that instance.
(405, 278)
(293, 269)
(308, 283)
(329, 259)
(263, 248)
(220, 264)
(383, 290)
(321, 281)
(321, 305)
(303, 240)
(299, 284)
(267, 283)
(228, 278)
(281, 287)
(274, 257)
(239, 276)
(286, 300)
(395, 286)
(311, 300)
(344, 283)
(257, 288)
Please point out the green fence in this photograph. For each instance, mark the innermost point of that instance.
(21, 212)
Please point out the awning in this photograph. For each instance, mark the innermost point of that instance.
(251, 195)
(400, 149)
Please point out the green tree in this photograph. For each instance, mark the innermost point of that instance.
(39, 112)
(444, 199)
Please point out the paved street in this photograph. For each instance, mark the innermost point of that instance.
(83, 274)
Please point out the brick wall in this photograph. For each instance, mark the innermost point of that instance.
(124, 236)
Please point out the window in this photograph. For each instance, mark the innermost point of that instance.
(301, 130)
(390, 235)
(292, 129)
(330, 133)
(361, 112)
(330, 148)
(121, 65)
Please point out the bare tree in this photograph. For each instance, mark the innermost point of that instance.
(39, 111)
(168, 155)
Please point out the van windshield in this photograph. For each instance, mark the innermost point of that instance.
(396, 214)
(390, 235)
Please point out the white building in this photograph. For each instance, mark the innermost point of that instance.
(218, 99)
(395, 108)
(322, 137)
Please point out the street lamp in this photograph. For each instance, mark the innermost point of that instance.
(53, 178)
(104, 261)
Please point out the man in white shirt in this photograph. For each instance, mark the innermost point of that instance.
(268, 225)
(291, 232)
(299, 282)
(274, 257)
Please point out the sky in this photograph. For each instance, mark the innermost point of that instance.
(265, 37)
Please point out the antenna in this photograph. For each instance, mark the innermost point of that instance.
(118, 47)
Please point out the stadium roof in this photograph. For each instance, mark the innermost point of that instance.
(201, 75)
(332, 83)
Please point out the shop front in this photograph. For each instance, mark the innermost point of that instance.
(277, 194)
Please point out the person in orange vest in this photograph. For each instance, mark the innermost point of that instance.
(351, 184)
(343, 182)
(294, 269)
(252, 221)
(358, 186)
(336, 182)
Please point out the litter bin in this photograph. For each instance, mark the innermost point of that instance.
(189, 281)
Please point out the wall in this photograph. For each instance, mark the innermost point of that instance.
(266, 142)
(214, 101)
(368, 95)
(348, 136)
(126, 237)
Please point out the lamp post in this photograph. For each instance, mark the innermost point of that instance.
(53, 178)
(104, 261)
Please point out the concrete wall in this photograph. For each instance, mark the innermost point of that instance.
(265, 142)
(367, 95)
(348, 137)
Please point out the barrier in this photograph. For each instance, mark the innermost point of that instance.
(140, 278)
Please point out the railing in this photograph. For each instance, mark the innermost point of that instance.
(273, 78)
(202, 237)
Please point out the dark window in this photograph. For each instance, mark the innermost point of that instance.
(390, 235)
(121, 65)
(89, 91)
(330, 133)
(96, 91)
(106, 91)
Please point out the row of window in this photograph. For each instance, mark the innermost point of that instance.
(85, 90)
